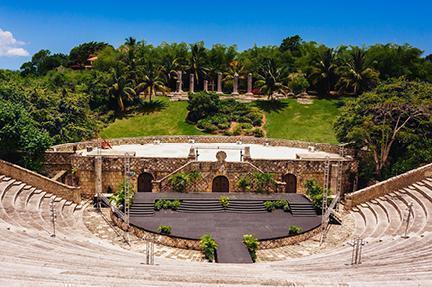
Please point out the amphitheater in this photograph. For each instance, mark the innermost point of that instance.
(88, 250)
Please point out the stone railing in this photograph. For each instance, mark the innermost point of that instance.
(387, 186)
(203, 139)
(40, 182)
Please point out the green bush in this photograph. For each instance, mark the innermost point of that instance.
(268, 205)
(167, 204)
(208, 246)
(263, 182)
(164, 229)
(297, 83)
(315, 193)
(224, 201)
(180, 181)
(118, 199)
(244, 183)
(295, 229)
(207, 126)
(251, 243)
(202, 105)
(258, 132)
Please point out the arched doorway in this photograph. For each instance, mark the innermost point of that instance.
(145, 182)
(220, 184)
(290, 183)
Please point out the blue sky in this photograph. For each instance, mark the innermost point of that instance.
(28, 26)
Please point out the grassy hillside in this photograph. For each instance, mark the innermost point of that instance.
(163, 118)
(286, 119)
(291, 120)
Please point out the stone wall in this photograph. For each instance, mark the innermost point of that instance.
(204, 139)
(177, 242)
(40, 182)
(387, 186)
(62, 157)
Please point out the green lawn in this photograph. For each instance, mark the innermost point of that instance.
(286, 119)
(167, 118)
(291, 120)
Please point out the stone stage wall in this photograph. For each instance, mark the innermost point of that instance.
(63, 157)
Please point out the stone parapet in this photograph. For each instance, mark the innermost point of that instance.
(387, 186)
(40, 182)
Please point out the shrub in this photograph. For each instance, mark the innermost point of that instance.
(118, 199)
(295, 229)
(167, 204)
(224, 201)
(182, 180)
(208, 246)
(251, 243)
(268, 205)
(297, 83)
(164, 229)
(237, 130)
(258, 132)
(207, 126)
(315, 192)
(201, 105)
(263, 182)
(244, 183)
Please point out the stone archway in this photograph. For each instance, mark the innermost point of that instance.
(220, 184)
(145, 182)
(290, 183)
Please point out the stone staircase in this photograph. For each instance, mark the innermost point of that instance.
(302, 209)
(213, 205)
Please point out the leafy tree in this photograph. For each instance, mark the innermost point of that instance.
(119, 89)
(357, 75)
(151, 81)
(297, 83)
(21, 139)
(291, 44)
(78, 55)
(42, 62)
(392, 114)
(271, 79)
(324, 75)
(197, 61)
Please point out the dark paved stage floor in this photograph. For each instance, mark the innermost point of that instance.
(227, 228)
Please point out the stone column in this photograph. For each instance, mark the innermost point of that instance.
(191, 83)
(246, 155)
(192, 154)
(249, 85)
(205, 85)
(179, 82)
(98, 174)
(235, 85)
(219, 83)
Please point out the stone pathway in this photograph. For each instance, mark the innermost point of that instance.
(106, 230)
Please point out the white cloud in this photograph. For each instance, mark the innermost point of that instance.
(10, 47)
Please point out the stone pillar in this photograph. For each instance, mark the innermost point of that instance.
(191, 83)
(249, 85)
(192, 154)
(235, 85)
(247, 155)
(179, 82)
(205, 86)
(219, 83)
(98, 174)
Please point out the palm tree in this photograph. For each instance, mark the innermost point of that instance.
(119, 89)
(197, 61)
(151, 81)
(271, 79)
(324, 76)
(357, 75)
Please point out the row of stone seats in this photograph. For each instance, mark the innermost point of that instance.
(386, 216)
(30, 256)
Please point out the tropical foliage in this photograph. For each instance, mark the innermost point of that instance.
(208, 246)
(251, 243)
